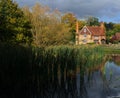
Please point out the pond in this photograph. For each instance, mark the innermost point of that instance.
(95, 79)
(102, 81)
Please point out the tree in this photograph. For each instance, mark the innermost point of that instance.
(69, 19)
(47, 28)
(116, 28)
(109, 26)
(109, 31)
(92, 21)
(81, 24)
(14, 27)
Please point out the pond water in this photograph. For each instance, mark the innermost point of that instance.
(99, 82)
(105, 81)
(65, 81)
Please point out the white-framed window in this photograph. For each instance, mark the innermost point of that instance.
(84, 30)
(96, 41)
(96, 37)
(85, 35)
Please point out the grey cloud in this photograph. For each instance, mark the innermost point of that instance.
(81, 8)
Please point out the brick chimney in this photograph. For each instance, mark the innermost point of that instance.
(102, 25)
(77, 27)
(77, 30)
(103, 30)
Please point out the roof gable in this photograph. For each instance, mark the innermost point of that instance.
(94, 30)
(85, 30)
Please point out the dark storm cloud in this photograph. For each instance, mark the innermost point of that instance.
(81, 8)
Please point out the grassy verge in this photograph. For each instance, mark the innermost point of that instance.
(111, 49)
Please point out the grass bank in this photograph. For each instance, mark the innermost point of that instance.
(111, 49)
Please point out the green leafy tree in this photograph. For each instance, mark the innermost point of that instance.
(109, 26)
(92, 21)
(116, 28)
(14, 26)
(81, 24)
(109, 30)
(69, 19)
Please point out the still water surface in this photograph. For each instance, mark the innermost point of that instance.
(64, 81)
(104, 83)
(99, 82)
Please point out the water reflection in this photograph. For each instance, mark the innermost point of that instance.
(113, 75)
(78, 82)
(116, 59)
(67, 80)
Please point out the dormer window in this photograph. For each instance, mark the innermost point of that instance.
(84, 30)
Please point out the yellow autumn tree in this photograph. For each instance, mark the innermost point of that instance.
(47, 28)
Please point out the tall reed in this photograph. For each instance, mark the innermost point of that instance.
(28, 71)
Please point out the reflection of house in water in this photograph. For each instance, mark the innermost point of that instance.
(116, 59)
(91, 34)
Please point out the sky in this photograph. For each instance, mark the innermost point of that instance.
(105, 10)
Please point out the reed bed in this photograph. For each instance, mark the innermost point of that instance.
(28, 71)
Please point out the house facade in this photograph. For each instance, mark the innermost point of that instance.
(90, 34)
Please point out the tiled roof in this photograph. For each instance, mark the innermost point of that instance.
(96, 30)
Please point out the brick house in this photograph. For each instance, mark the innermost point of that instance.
(90, 34)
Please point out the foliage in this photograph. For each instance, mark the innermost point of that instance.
(92, 21)
(47, 28)
(43, 26)
(81, 24)
(70, 20)
(109, 26)
(14, 27)
(109, 35)
(116, 28)
(111, 49)
(111, 30)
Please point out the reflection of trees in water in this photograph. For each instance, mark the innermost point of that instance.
(106, 88)
(44, 74)
(59, 81)
(53, 81)
(83, 91)
(116, 59)
(107, 74)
